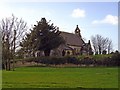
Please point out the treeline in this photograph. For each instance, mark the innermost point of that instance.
(110, 60)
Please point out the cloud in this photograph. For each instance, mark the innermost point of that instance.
(78, 13)
(109, 19)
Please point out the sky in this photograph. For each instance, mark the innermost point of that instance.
(91, 17)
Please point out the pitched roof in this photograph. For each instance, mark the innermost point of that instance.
(72, 39)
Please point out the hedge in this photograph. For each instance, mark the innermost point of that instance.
(112, 60)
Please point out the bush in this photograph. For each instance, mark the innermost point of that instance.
(116, 59)
(96, 60)
(72, 60)
(60, 60)
(52, 60)
(108, 60)
(87, 61)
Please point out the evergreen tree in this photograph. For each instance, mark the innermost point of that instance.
(44, 37)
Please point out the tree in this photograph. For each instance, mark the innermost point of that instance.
(95, 44)
(110, 46)
(101, 44)
(28, 44)
(12, 30)
(45, 37)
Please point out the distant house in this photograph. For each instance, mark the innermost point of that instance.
(74, 44)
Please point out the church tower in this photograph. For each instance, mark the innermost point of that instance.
(43, 20)
(77, 31)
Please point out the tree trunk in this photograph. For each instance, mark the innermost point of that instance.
(99, 50)
(47, 52)
(6, 65)
(9, 68)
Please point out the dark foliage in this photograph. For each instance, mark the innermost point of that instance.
(45, 37)
(114, 60)
(87, 61)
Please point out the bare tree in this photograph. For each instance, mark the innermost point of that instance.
(101, 44)
(13, 30)
(104, 44)
(94, 44)
(110, 46)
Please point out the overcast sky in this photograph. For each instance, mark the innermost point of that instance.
(92, 17)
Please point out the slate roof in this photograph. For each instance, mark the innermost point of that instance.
(72, 39)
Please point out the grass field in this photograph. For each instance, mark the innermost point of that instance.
(45, 77)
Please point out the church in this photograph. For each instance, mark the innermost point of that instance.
(74, 45)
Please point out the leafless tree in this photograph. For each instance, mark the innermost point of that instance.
(101, 44)
(13, 30)
(94, 44)
(110, 46)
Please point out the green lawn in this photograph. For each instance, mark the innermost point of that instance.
(44, 77)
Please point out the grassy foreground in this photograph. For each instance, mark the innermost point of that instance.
(45, 77)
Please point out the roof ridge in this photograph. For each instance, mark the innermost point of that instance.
(66, 32)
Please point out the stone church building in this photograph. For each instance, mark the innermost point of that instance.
(74, 45)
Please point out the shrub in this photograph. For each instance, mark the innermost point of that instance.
(116, 59)
(87, 61)
(96, 60)
(72, 60)
(52, 60)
